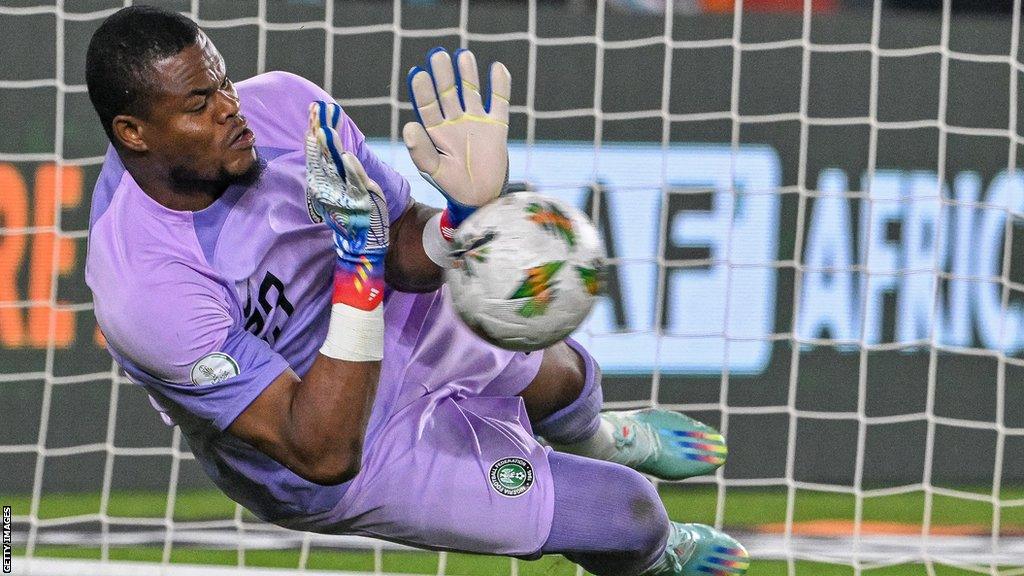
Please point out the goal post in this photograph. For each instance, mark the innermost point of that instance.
(813, 218)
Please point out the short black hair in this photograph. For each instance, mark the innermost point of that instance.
(121, 53)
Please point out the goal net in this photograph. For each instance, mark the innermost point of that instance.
(813, 217)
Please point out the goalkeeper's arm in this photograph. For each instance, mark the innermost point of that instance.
(315, 426)
(409, 268)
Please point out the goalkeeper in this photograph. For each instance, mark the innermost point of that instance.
(279, 295)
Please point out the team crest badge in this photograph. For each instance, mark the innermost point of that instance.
(214, 368)
(511, 477)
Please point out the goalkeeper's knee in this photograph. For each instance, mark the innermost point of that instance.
(580, 419)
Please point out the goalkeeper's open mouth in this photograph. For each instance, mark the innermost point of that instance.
(243, 139)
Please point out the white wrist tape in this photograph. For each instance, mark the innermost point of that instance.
(434, 244)
(355, 335)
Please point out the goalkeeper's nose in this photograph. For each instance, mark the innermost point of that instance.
(229, 104)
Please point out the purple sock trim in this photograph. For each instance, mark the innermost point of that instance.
(579, 420)
(607, 518)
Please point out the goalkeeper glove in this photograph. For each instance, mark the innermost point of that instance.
(459, 144)
(353, 206)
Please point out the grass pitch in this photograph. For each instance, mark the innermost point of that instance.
(744, 509)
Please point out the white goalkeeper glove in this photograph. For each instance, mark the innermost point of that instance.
(339, 190)
(353, 206)
(459, 145)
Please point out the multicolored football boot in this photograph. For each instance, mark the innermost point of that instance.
(665, 444)
(699, 550)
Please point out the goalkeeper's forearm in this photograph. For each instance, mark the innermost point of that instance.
(314, 426)
(409, 267)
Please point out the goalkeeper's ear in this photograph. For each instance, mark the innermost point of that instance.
(128, 131)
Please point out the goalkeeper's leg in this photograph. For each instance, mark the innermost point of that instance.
(607, 518)
(466, 474)
(564, 403)
(610, 520)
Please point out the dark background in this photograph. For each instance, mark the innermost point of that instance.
(701, 78)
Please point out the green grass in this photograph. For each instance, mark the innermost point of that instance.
(744, 508)
(191, 505)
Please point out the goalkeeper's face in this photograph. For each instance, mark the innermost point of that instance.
(196, 128)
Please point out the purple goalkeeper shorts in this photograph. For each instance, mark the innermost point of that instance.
(455, 468)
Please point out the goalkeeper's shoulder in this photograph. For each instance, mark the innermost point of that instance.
(165, 318)
(283, 86)
(276, 105)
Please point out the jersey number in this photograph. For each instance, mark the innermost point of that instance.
(255, 319)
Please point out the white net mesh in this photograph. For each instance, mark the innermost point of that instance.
(814, 227)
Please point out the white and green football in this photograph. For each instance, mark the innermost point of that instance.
(526, 270)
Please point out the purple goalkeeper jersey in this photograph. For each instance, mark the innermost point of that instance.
(205, 309)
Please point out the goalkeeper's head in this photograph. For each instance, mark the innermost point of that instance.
(161, 90)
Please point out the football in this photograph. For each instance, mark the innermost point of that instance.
(526, 270)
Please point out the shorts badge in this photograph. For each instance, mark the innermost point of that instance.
(511, 477)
